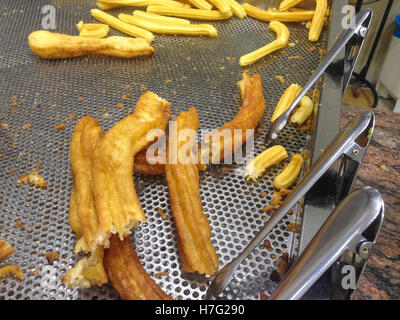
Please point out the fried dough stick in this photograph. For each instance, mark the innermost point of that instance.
(194, 233)
(126, 273)
(5, 250)
(82, 213)
(52, 45)
(116, 201)
(250, 113)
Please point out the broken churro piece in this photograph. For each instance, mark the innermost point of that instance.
(11, 269)
(127, 274)
(264, 160)
(117, 204)
(289, 174)
(5, 250)
(88, 271)
(286, 100)
(194, 233)
(33, 178)
(282, 38)
(302, 113)
(51, 45)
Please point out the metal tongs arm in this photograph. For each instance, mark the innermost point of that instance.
(354, 137)
(358, 34)
(343, 230)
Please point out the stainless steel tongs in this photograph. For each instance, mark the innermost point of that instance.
(353, 39)
(349, 232)
(350, 144)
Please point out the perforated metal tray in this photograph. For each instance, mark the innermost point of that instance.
(187, 71)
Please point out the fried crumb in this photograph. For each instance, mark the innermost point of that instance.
(267, 245)
(168, 81)
(34, 178)
(35, 271)
(383, 167)
(283, 266)
(80, 99)
(228, 58)
(225, 170)
(127, 86)
(281, 79)
(162, 214)
(269, 209)
(120, 105)
(14, 145)
(291, 44)
(51, 257)
(311, 49)
(158, 275)
(306, 126)
(14, 102)
(263, 194)
(125, 96)
(72, 116)
(18, 224)
(60, 126)
(294, 226)
(26, 127)
(4, 125)
(278, 197)
(294, 57)
(262, 295)
(105, 115)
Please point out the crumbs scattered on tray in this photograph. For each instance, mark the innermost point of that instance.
(294, 226)
(59, 127)
(18, 224)
(281, 79)
(162, 214)
(283, 266)
(120, 105)
(27, 126)
(294, 57)
(80, 99)
(125, 96)
(158, 275)
(4, 125)
(225, 170)
(72, 116)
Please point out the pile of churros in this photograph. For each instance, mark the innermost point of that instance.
(172, 17)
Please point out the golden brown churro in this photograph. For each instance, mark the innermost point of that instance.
(194, 234)
(116, 201)
(127, 274)
(82, 213)
(286, 100)
(51, 45)
(250, 113)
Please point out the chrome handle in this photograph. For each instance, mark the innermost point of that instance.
(347, 222)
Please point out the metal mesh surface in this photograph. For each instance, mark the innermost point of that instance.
(187, 71)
